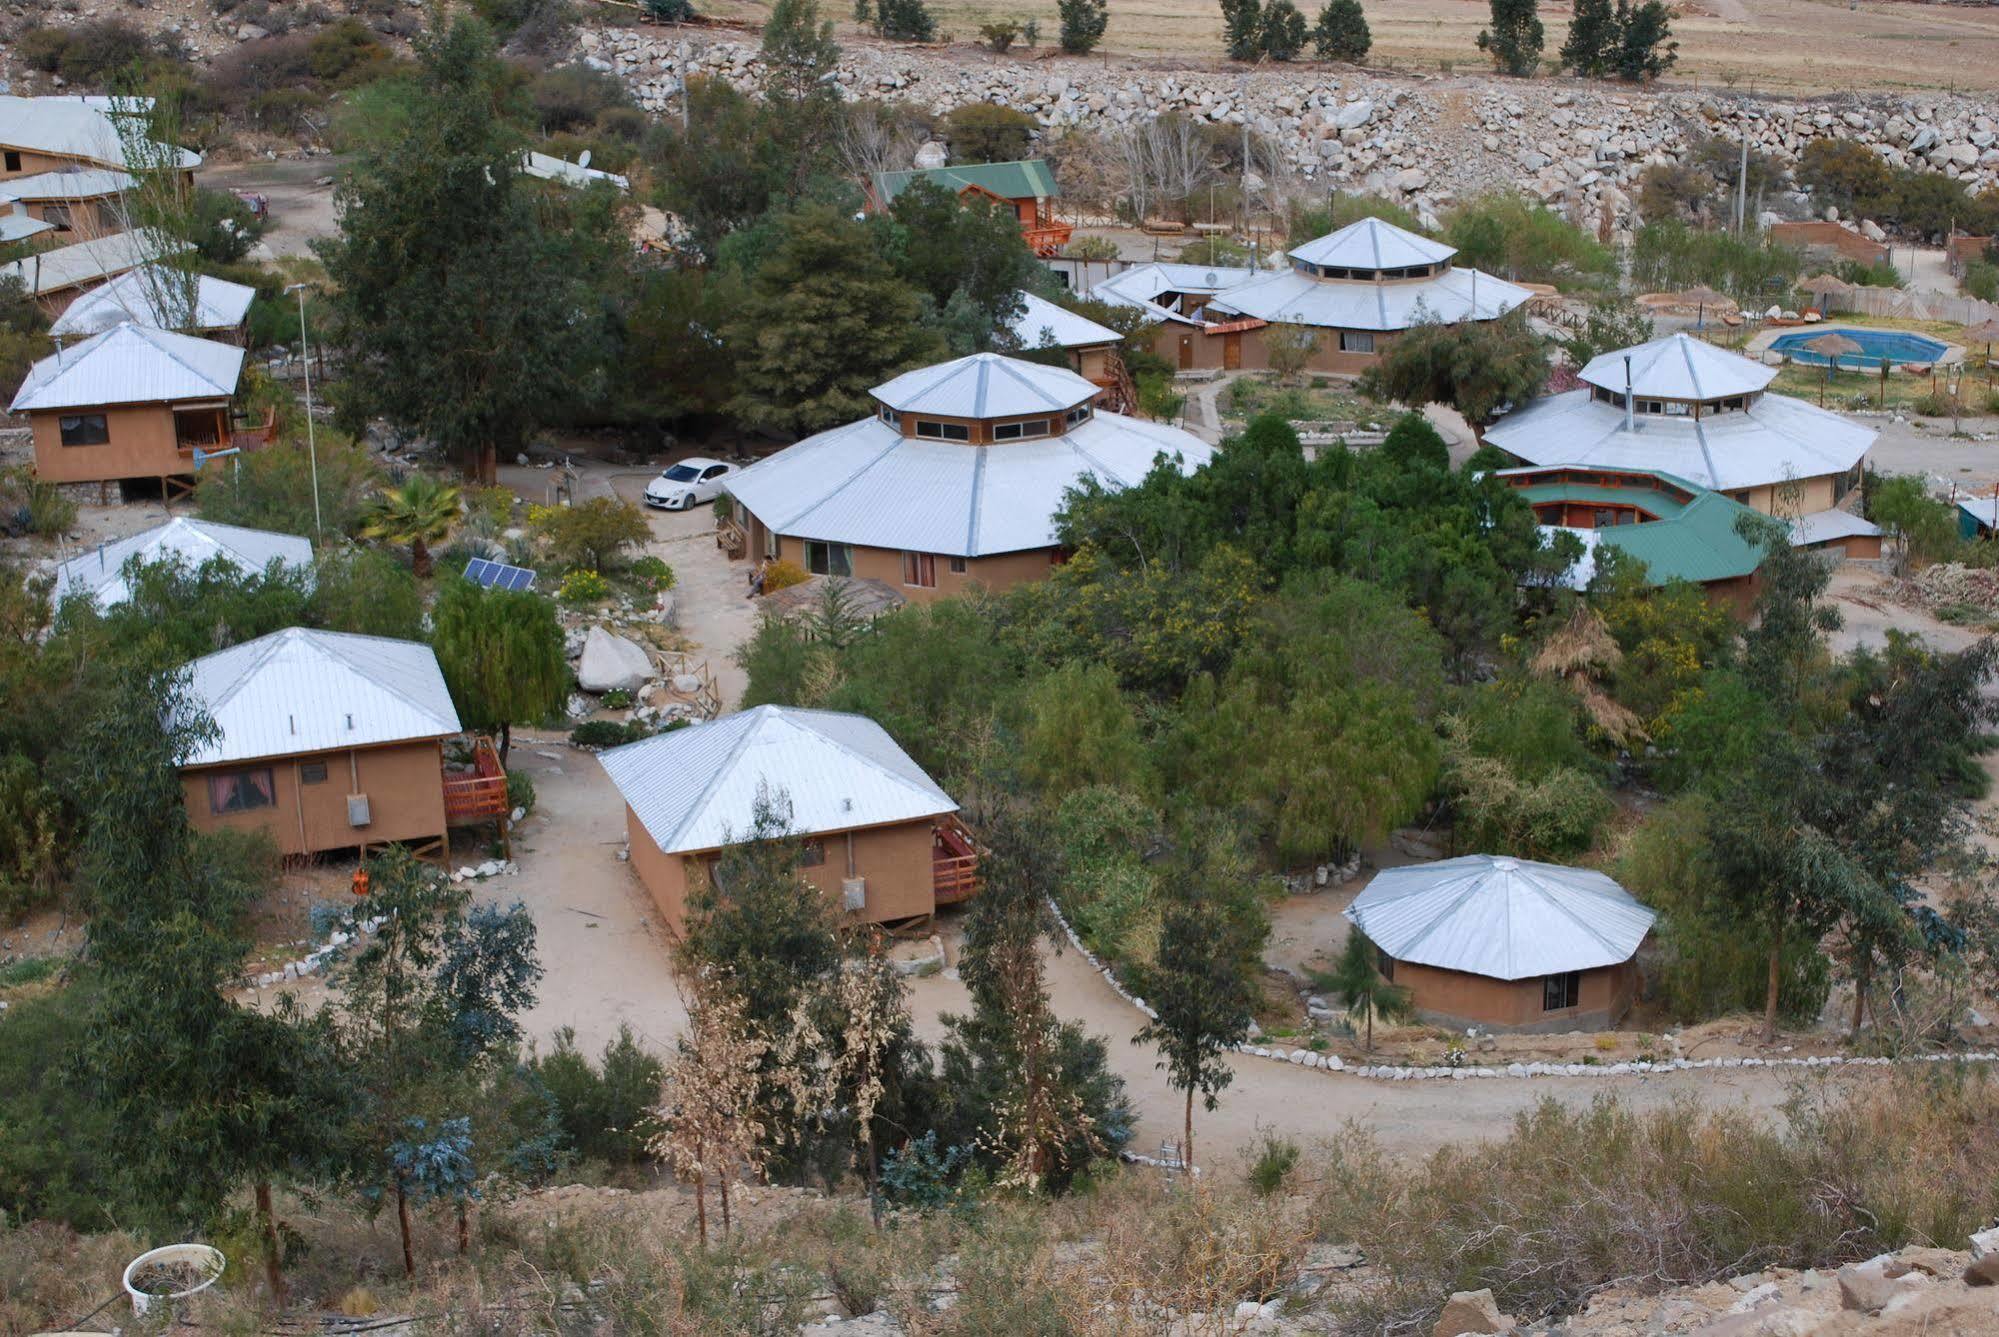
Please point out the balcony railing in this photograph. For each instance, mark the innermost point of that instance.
(480, 796)
(1047, 239)
(954, 864)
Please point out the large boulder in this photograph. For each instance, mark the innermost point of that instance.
(610, 662)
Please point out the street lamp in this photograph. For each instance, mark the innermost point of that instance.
(311, 437)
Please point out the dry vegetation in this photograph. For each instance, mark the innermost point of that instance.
(1768, 45)
(1548, 1215)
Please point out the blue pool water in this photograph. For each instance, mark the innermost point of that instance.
(1893, 346)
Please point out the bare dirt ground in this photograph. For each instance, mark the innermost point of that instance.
(1754, 45)
(300, 193)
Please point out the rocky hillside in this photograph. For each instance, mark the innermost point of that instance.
(1432, 140)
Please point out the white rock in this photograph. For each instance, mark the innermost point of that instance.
(610, 663)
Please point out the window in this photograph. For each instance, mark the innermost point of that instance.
(58, 216)
(1077, 414)
(958, 566)
(1356, 341)
(811, 853)
(312, 773)
(890, 416)
(920, 570)
(13, 160)
(241, 791)
(829, 559)
(943, 431)
(1020, 431)
(770, 544)
(84, 429)
(1385, 964)
(714, 471)
(1561, 991)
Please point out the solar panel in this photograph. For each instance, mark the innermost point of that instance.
(498, 575)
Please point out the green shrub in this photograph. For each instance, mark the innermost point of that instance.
(1276, 1158)
(605, 1108)
(988, 132)
(616, 699)
(1981, 280)
(520, 792)
(583, 586)
(652, 572)
(1000, 34)
(607, 733)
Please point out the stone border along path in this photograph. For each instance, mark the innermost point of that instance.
(1388, 1072)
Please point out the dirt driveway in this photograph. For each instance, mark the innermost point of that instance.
(300, 192)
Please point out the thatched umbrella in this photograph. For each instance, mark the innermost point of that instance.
(1985, 332)
(1702, 297)
(1821, 286)
(1831, 345)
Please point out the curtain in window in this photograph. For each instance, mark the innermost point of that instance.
(241, 791)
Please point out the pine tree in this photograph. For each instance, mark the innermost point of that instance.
(1593, 38)
(1514, 40)
(1083, 24)
(1359, 985)
(1283, 30)
(1242, 29)
(1341, 33)
(1644, 47)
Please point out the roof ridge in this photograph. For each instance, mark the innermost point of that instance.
(749, 718)
(1547, 891)
(976, 511)
(895, 443)
(785, 715)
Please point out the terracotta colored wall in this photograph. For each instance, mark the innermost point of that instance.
(885, 564)
(1453, 998)
(1209, 355)
(33, 163)
(404, 783)
(1812, 494)
(141, 446)
(894, 859)
(1092, 364)
(88, 218)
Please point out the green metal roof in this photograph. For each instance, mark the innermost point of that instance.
(1661, 504)
(1008, 180)
(1700, 544)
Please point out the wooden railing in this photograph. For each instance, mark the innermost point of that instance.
(481, 796)
(1047, 239)
(954, 864)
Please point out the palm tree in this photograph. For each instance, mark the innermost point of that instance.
(1359, 985)
(421, 511)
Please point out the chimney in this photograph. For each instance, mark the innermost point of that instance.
(1630, 423)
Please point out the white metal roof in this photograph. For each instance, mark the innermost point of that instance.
(1142, 285)
(1985, 510)
(100, 574)
(866, 483)
(79, 183)
(1041, 323)
(132, 364)
(134, 296)
(19, 227)
(313, 691)
(1289, 297)
(88, 261)
(73, 127)
(1825, 526)
(1678, 366)
(1508, 919)
(1372, 244)
(985, 385)
(1774, 440)
(547, 167)
(697, 788)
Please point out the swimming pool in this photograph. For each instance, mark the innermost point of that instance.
(1893, 346)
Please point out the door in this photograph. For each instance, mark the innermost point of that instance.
(1186, 352)
(1231, 352)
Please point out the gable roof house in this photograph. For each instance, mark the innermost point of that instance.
(55, 278)
(1506, 944)
(876, 831)
(83, 200)
(215, 308)
(99, 575)
(326, 740)
(132, 402)
(1092, 348)
(1682, 407)
(58, 134)
(956, 478)
(1027, 187)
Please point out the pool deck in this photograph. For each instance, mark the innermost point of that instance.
(1759, 347)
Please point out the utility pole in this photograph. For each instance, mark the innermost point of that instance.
(311, 437)
(1742, 181)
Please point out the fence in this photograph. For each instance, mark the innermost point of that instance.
(1909, 305)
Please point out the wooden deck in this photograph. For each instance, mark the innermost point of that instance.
(480, 796)
(954, 864)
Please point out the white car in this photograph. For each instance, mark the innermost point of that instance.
(688, 483)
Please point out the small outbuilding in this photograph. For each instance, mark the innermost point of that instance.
(100, 574)
(1505, 944)
(57, 277)
(88, 201)
(326, 740)
(1027, 188)
(186, 304)
(132, 402)
(876, 832)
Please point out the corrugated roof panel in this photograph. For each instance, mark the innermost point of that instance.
(1508, 919)
(132, 364)
(100, 573)
(88, 261)
(78, 184)
(866, 484)
(1678, 366)
(74, 127)
(985, 385)
(1041, 323)
(1289, 297)
(1776, 439)
(138, 297)
(697, 788)
(1371, 243)
(314, 691)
